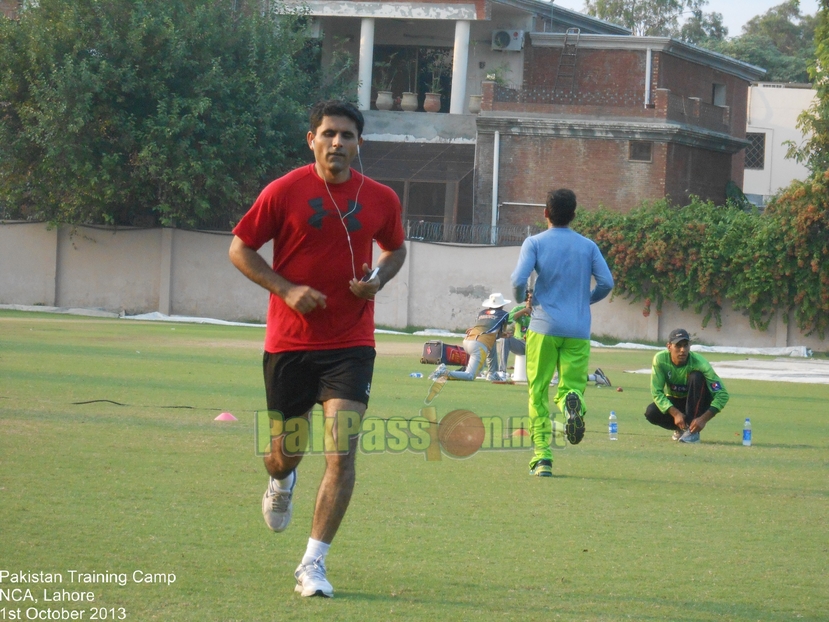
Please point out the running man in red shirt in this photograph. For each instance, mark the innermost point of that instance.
(319, 340)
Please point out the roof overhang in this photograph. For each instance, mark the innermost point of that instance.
(386, 10)
(686, 51)
(613, 129)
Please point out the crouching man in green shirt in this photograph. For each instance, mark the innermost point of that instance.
(686, 391)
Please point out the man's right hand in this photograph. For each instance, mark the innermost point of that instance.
(304, 299)
(679, 418)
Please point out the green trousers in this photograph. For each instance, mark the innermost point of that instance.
(545, 355)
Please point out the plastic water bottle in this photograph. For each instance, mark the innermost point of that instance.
(612, 426)
(747, 433)
(415, 374)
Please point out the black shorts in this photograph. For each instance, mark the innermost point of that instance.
(295, 381)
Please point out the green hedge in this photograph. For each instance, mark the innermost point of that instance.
(701, 255)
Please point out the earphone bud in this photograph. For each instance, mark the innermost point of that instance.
(358, 149)
(312, 143)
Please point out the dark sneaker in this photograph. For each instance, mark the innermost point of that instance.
(575, 422)
(542, 468)
(601, 379)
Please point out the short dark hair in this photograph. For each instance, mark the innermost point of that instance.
(335, 108)
(561, 207)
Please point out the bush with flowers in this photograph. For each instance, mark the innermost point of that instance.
(701, 255)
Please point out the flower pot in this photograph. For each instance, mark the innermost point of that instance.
(475, 103)
(385, 100)
(409, 102)
(432, 102)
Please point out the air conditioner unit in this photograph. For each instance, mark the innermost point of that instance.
(508, 40)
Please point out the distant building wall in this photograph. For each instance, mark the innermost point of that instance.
(189, 273)
(597, 170)
(773, 112)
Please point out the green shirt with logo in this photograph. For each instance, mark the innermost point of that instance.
(669, 380)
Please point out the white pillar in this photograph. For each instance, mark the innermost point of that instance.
(460, 60)
(648, 71)
(366, 63)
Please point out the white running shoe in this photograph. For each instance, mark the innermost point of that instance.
(277, 506)
(311, 580)
(439, 372)
(677, 435)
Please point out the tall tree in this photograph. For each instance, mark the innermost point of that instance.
(140, 112)
(703, 28)
(781, 41)
(644, 17)
(784, 24)
(814, 122)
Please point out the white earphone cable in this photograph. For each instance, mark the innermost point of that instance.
(351, 211)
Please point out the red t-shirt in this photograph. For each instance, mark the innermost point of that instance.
(310, 247)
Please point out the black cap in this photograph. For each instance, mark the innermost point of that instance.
(678, 334)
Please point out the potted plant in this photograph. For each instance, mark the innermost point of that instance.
(384, 74)
(498, 75)
(408, 102)
(440, 64)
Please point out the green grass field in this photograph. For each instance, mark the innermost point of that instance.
(637, 529)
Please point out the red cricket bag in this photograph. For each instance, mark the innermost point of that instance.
(436, 352)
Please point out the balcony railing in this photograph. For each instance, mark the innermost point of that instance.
(504, 235)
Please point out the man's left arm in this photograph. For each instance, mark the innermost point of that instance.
(389, 264)
(604, 279)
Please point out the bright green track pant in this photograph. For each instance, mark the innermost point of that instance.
(545, 355)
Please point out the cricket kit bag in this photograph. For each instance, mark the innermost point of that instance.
(436, 352)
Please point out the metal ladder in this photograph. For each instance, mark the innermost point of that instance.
(566, 73)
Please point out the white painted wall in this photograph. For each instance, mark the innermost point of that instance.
(28, 257)
(189, 273)
(773, 110)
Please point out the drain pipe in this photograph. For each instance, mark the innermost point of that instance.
(496, 158)
(648, 69)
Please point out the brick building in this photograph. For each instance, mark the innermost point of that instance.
(640, 118)
(579, 103)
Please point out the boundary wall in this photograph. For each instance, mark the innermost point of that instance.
(178, 272)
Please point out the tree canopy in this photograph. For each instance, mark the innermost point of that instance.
(644, 17)
(814, 122)
(781, 41)
(140, 112)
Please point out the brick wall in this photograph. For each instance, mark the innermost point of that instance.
(8, 8)
(693, 80)
(597, 170)
(698, 172)
(611, 77)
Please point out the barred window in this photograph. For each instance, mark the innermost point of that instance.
(756, 151)
(640, 151)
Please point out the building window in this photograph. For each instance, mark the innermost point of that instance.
(756, 151)
(718, 95)
(641, 151)
(427, 201)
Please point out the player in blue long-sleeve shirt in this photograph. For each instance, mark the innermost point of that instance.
(559, 334)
